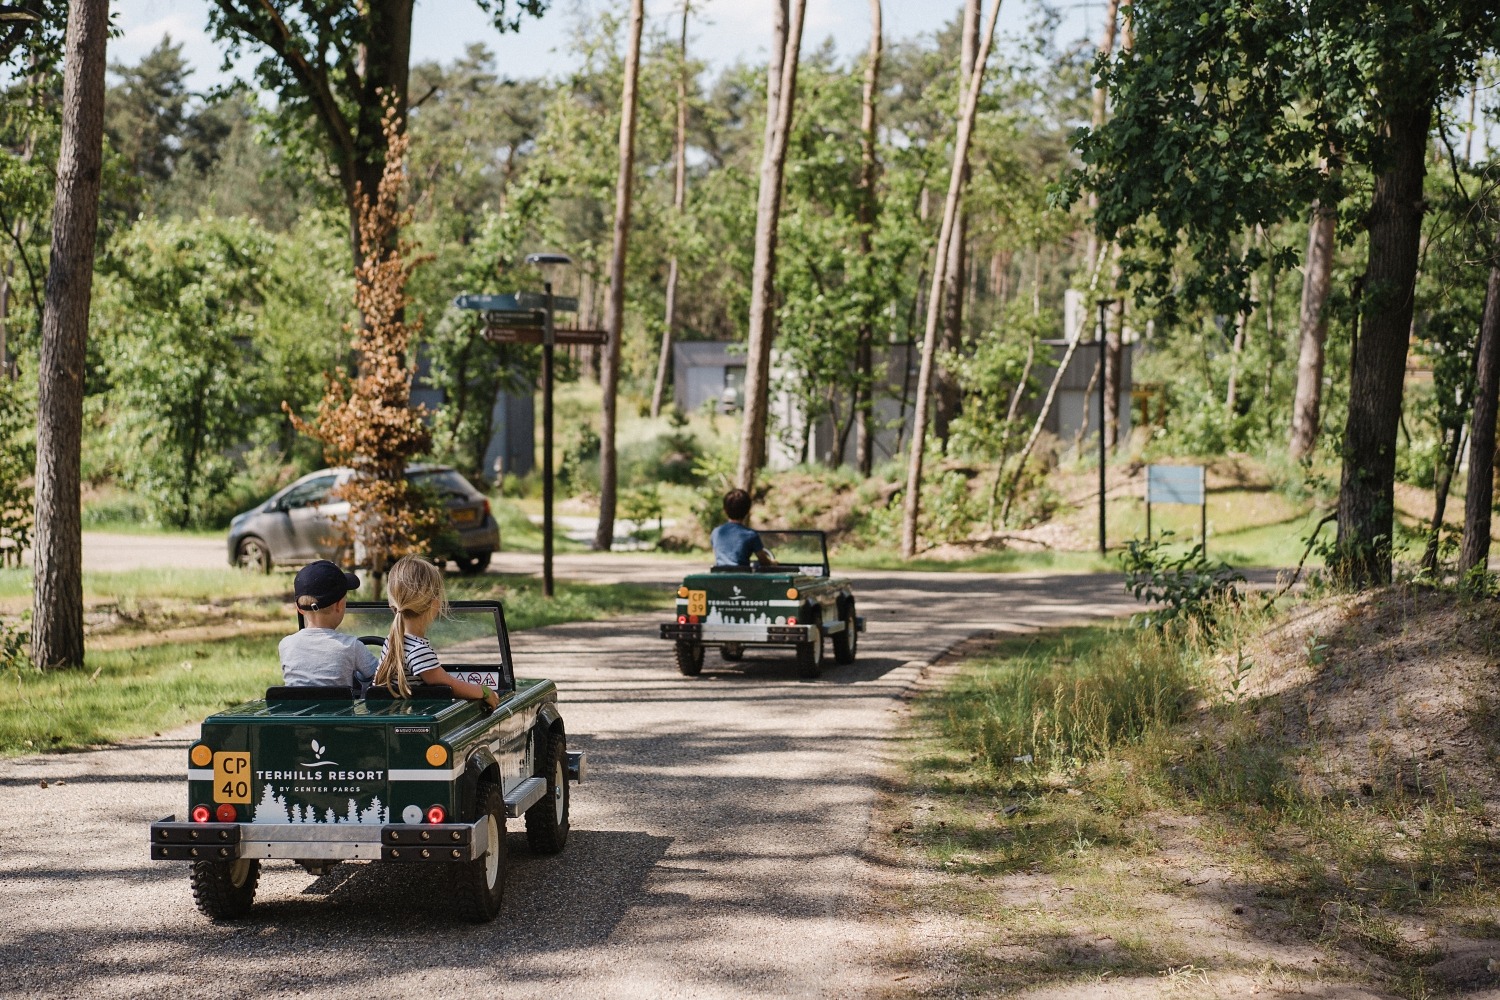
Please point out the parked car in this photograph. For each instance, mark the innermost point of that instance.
(322, 776)
(301, 522)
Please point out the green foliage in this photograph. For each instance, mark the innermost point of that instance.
(1064, 703)
(17, 460)
(1191, 588)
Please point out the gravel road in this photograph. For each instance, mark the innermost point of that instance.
(716, 848)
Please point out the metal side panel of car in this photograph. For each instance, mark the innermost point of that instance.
(329, 765)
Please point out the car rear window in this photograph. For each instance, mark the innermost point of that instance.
(444, 481)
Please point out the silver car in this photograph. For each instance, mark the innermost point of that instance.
(301, 523)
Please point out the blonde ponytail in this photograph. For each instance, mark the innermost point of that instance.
(414, 588)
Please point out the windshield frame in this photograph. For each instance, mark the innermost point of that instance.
(493, 610)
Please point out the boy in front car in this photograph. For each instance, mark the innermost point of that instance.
(733, 542)
(318, 654)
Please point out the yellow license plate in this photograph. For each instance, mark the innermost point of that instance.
(697, 602)
(466, 516)
(232, 777)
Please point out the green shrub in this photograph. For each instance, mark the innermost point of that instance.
(1190, 587)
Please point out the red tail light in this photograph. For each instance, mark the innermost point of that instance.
(436, 814)
(792, 620)
(200, 814)
(226, 813)
(486, 507)
(692, 619)
(682, 619)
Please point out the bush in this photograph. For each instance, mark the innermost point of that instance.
(1191, 587)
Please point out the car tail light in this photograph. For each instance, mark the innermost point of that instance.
(692, 619)
(486, 507)
(791, 594)
(226, 813)
(682, 591)
(436, 814)
(200, 814)
(682, 619)
(792, 620)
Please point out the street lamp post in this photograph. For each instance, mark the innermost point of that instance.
(549, 343)
(1104, 305)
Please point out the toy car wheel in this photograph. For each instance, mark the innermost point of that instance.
(690, 658)
(253, 553)
(224, 890)
(479, 885)
(732, 652)
(547, 821)
(846, 643)
(472, 563)
(810, 654)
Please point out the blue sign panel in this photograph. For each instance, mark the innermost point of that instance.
(1175, 484)
(486, 302)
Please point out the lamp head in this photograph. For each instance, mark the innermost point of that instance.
(548, 259)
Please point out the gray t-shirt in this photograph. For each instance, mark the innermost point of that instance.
(321, 656)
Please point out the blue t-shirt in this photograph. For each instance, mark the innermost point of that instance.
(734, 544)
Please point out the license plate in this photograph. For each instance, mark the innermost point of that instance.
(232, 777)
(697, 602)
(468, 515)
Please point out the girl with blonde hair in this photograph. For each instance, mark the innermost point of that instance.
(414, 590)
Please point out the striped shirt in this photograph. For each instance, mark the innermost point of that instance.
(419, 656)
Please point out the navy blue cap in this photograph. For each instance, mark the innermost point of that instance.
(325, 583)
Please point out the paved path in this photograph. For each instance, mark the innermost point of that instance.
(716, 849)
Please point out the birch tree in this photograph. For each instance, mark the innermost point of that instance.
(781, 95)
(934, 298)
(609, 376)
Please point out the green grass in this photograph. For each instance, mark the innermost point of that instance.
(135, 692)
(1061, 758)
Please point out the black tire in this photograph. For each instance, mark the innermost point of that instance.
(479, 885)
(547, 821)
(846, 643)
(472, 563)
(690, 658)
(810, 654)
(253, 553)
(224, 890)
(732, 652)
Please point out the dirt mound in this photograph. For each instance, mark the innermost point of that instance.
(1398, 688)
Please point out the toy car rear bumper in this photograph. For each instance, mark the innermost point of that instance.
(174, 841)
(773, 635)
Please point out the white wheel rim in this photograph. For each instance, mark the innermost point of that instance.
(492, 856)
(239, 873)
(559, 792)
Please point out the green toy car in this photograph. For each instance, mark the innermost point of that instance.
(319, 775)
(791, 602)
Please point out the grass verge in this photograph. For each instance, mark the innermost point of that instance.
(1102, 812)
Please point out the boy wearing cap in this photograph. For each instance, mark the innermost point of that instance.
(318, 654)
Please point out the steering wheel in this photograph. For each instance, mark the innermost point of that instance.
(372, 640)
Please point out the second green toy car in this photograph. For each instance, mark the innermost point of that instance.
(793, 602)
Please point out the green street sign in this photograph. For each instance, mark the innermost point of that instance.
(536, 300)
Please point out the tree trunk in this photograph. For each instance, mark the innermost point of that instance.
(609, 374)
(864, 362)
(1106, 49)
(934, 298)
(1313, 331)
(781, 94)
(948, 398)
(1440, 499)
(1475, 553)
(1366, 507)
(57, 550)
(679, 200)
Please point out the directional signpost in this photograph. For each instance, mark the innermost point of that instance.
(527, 318)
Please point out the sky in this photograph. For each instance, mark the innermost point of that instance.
(724, 32)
